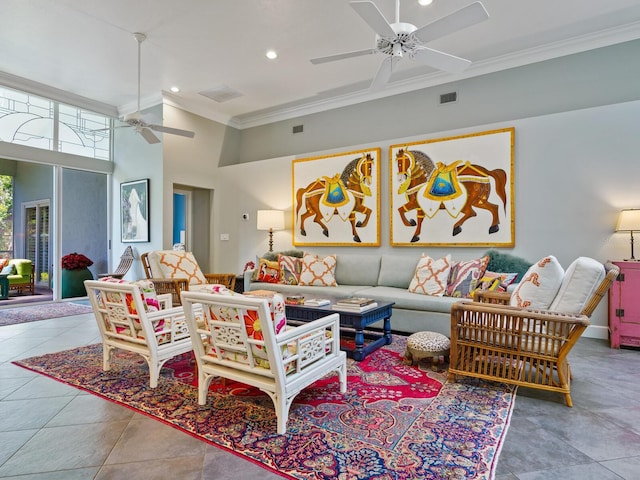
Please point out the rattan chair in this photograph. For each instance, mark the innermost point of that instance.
(494, 341)
(175, 284)
(126, 260)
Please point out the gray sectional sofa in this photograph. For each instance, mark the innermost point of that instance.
(383, 277)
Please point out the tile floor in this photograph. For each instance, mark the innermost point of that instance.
(55, 432)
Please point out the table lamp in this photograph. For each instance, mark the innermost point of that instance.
(629, 221)
(270, 220)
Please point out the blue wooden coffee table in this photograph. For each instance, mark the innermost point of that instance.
(351, 320)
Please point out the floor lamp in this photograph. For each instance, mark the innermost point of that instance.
(629, 221)
(270, 220)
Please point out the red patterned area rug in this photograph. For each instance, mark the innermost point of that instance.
(394, 422)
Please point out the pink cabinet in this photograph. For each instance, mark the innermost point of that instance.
(624, 306)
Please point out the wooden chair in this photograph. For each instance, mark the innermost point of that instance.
(126, 260)
(278, 359)
(494, 341)
(127, 321)
(168, 279)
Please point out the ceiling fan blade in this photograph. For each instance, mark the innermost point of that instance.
(342, 56)
(172, 131)
(374, 18)
(440, 60)
(465, 17)
(148, 135)
(384, 73)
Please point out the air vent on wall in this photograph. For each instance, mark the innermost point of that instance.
(298, 128)
(221, 94)
(450, 97)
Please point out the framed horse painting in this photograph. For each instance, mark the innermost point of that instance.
(336, 199)
(455, 191)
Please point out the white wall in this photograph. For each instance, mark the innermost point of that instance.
(573, 172)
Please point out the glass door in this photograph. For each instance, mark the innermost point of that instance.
(36, 218)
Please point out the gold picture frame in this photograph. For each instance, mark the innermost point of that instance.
(455, 191)
(336, 199)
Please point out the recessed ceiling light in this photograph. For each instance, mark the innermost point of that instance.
(424, 3)
(271, 54)
(175, 89)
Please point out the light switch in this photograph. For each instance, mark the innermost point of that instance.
(224, 237)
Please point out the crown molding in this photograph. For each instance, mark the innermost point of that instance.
(549, 51)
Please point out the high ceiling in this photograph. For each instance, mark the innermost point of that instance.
(86, 47)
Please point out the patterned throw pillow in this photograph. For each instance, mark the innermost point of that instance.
(178, 264)
(539, 285)
(290, 268)
(3, 262)
(318, 271)
(431, 276)
(464, 277)
(268, 271)
(496, 281)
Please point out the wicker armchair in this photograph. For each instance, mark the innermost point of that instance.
(171, 276)
(494, 341)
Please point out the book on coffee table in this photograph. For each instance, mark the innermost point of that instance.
(354, 308)
(316, 302)
(355, 301)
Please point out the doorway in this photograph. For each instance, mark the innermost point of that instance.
(182, 218)
(192, 221)
(36, 238)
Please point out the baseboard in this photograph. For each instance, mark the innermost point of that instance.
(597, 331)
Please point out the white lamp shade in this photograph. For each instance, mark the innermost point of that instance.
(270, 220)
(629, 220)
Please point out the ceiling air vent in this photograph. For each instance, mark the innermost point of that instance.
(298, 128)
(451, 97)
(221, 94)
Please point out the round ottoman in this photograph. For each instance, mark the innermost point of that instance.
(423, 345)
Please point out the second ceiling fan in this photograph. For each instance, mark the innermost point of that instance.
(400, 39)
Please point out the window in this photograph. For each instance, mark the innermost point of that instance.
(34, 121)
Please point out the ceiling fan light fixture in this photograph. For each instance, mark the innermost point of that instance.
(397, 50)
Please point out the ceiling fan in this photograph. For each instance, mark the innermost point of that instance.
(399, 39)
(135, 119)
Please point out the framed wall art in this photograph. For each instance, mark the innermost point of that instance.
(455, 191)
(336, 199)
(134, 211)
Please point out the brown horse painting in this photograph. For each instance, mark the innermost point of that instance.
(458, 188)
(343, 195)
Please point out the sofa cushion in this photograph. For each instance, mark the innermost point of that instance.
(397, 270)
(22, 266)
(580, 281)
(464, 277)
(290, 268)
(268, 271)
(8, 270)
(176, 264)
(357, 269)
(431, 276)
(405, 300)
(318, 270)
(539, 285)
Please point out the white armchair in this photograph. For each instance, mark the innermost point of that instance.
(246, 339)
(131, 317)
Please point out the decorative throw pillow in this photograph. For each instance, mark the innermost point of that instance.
(539, 285)
(431, 276)
(318, 270)
(580, 281)
(290, 268)
(268, 271)
(464, 277)
(3, 262)
(8, 270)
(178, 264)
(487, 283)
(505, 279)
